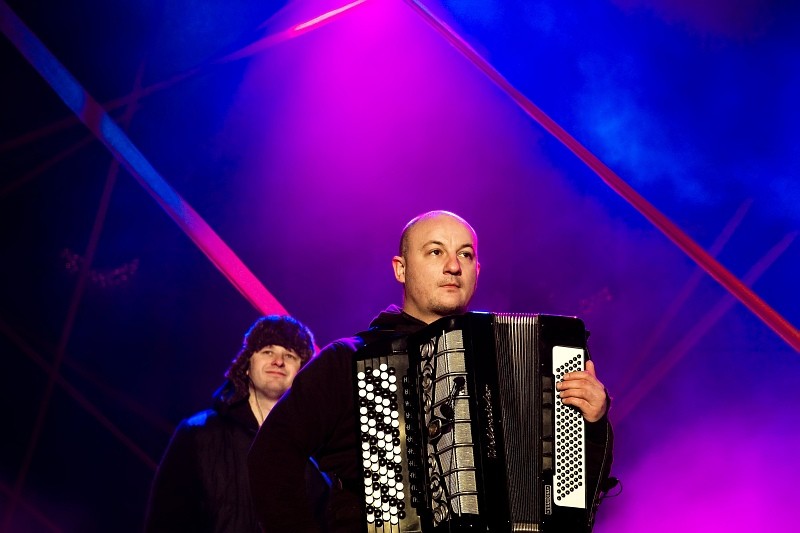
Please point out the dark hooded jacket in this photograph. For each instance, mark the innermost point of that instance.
(201, 484)
(317, 418)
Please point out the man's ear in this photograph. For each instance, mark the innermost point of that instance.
(399, 266)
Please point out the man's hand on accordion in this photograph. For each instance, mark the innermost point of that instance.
(585, 392)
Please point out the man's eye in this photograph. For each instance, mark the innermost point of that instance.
(435, 252)
(468, 255)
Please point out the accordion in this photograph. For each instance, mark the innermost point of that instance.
(461, 428)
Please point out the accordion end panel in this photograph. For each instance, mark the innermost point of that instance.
(561, 343)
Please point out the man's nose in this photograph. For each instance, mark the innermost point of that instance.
(278, 360)
(452, 265)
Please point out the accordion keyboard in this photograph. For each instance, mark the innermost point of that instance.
(570, 453)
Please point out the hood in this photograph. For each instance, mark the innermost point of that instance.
(394, 319)
(238, 411)
(222, 396)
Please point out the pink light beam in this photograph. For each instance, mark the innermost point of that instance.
(723, 276)
(122, 148)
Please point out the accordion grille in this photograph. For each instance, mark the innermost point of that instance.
(519, 382)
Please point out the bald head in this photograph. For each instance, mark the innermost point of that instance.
(404, 237)
(438, 265)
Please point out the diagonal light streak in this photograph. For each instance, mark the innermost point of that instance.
(109, 106)
(124, 151)
(45, 166)
(326, 17)
(258, 46)
(79, 397)
(38, 515)
(628, 402)
(290, 33)
(66, 333)
(158, 422)
(126, 154)
(724, 277)
(632, 366)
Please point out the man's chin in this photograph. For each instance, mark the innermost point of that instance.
(447, 310)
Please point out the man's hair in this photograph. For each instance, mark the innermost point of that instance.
(271, 330)
(403, 248)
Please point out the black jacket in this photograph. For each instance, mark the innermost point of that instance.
(201, 483)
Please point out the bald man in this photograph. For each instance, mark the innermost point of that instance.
(437, 264)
